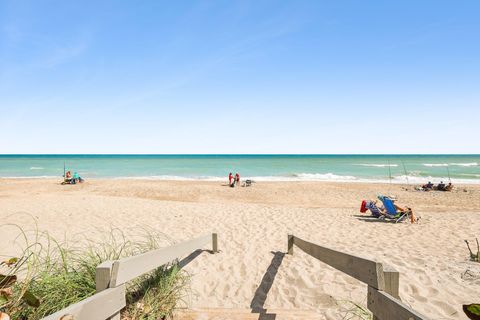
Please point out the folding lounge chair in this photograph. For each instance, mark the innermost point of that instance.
(392, 212)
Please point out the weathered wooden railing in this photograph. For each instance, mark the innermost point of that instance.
(111, 277)
(383, 283)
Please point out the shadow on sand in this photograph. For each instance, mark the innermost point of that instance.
(258, 301)
(185, 261)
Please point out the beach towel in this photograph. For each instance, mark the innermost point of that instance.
(370, 205)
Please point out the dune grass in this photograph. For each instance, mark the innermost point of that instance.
(474, 256)
(350, 310)
(52, 275)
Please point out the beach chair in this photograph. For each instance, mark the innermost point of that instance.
(391, 210)
(248, 183)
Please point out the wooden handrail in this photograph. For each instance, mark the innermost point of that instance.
(129, 268)
(367, 271)
(111, 276)
(383, 283)
(97, 307)
(386, 307)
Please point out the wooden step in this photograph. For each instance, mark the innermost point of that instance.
(244, 314)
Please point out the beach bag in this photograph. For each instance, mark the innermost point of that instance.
(363, 207)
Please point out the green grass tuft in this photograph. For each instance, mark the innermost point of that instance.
(60, 275)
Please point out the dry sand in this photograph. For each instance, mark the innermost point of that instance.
(253, 223)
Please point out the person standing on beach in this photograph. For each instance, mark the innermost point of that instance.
(237, 178)
(230, 178)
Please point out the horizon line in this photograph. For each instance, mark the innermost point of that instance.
(239, 154)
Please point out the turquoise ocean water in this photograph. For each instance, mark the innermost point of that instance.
(397, 168)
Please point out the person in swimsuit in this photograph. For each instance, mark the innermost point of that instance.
(237, 178)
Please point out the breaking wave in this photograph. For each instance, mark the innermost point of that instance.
(461, 164)
(467, 164)
(377, 165)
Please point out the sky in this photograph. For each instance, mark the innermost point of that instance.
(239, 76)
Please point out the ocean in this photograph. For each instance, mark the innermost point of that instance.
(353, 168)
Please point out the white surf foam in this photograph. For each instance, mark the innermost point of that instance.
(36, 168)
(31, 177)
(467, 164)
(435, 164)
(377, 165)
(172, 177)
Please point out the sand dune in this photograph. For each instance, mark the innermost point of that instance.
(251, 270)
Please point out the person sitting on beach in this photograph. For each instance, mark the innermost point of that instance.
(428, 186)
(77, 178)
(449, 187)
(67, 178)
(441, 186)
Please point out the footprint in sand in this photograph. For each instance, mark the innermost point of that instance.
(416, 294)
(445, 307)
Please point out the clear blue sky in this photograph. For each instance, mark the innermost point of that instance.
(240, 76)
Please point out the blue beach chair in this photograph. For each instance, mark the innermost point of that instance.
(391, 210)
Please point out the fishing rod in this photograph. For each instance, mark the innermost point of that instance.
(64, 169)
(389, 172)
(405, 170)
(448, 171)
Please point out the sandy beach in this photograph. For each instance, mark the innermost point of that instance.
(436, 274)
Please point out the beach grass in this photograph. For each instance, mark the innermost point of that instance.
(351, 310)
(53, 275)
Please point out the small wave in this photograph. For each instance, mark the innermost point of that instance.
(377, 165)
(435, 164)
(29, 177)
(467, 164)
(172, 177)
(36, 168)
(470, 175)
(324, 177)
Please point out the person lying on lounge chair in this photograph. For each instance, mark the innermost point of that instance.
(394, 211)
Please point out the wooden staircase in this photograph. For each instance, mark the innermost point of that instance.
(244, 314)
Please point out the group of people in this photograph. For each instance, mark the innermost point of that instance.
(69, 179)
(440, 187)
(233, 180)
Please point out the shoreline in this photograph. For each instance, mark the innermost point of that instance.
(265, 179)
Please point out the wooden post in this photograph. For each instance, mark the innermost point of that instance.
(103, 277)
(103, 273)
(214, 242)
(386, 307)
(290, 244)
(369, 307)
(392, 281)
